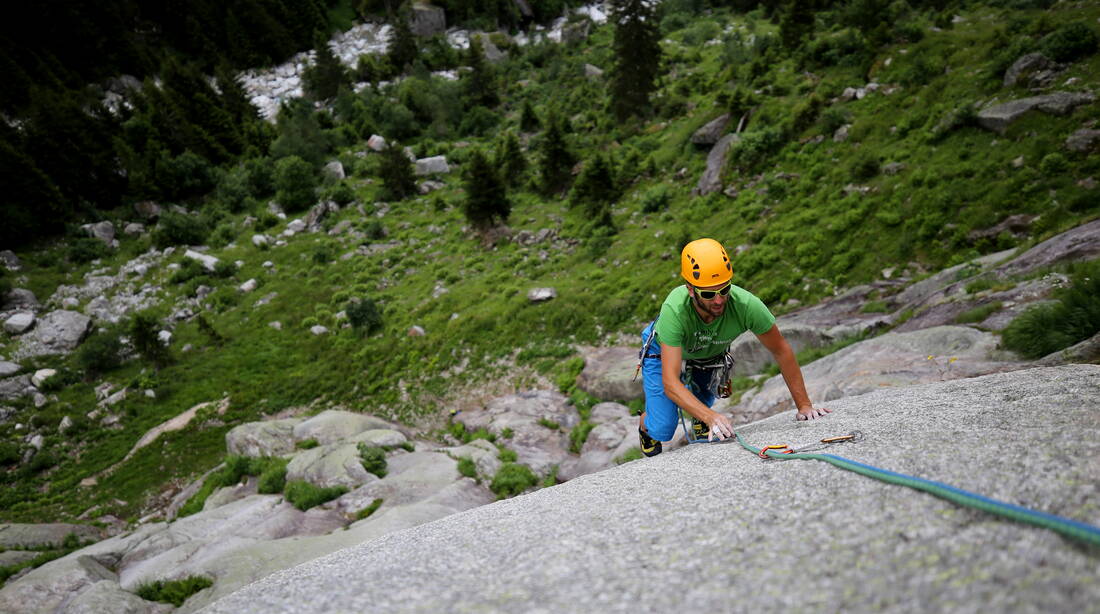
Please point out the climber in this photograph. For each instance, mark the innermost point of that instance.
(693, 332)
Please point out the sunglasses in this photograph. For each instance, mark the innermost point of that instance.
(707, 295)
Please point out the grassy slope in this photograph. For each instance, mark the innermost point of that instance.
(807, 237)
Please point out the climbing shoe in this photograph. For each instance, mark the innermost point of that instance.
(650, 446)
(699, 429)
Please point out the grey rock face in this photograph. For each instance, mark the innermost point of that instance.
(999, 117)
(592, 72)
(332, 426)
(34, 535)
(335, 464)
(104, 231)
(522, 556)
(207, 261)
(47, 588)
(614, 435)
(608, 372)
(1080, 243)
(711, 180)
(751, 356)
(8, 368)
(891, 360)
(19, 323)
(536, 445)
(10, 260)
(712, 131)
(57, 332)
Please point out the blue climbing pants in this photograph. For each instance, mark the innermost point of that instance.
(661, 415)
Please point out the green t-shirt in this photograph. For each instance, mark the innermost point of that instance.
(681, 326)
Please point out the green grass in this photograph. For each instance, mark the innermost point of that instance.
(366, 512)
(304, 495)
(979, 314)
(467, 468)
(512, 479)
(1049, 327)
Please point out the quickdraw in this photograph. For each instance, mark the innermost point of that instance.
(853, 437)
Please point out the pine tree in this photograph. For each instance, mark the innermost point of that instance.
(595, 191)
(796, 24)
(324, 78)
(556, 163)
(397, 172)
(528, 119)
(510, 160)
(403, 49)
(479, 83)
(637, 56)
(486, 197)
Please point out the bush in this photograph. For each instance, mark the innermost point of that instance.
(1053, 164)
(9, 454)
(512, 479)
(1069, 43)
(579, 435)
(467, 468)
(978, 314)
(273, 479)
(179, 229)
(304, 495)
(100, 352)
(174, 592)
(373, 459)
(364, 315)
(295, 180)
(1050, 327)
(233, 189)
(507, 455)
(85, 249)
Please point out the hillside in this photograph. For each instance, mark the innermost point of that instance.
(825, 189)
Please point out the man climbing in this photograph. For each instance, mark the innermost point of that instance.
(698, 322)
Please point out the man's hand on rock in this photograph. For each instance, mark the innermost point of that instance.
(720, 428)
(811, 413)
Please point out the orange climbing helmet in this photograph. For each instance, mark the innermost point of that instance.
(704, 262)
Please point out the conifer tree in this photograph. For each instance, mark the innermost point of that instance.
(595, 191)
(403, 48)
(324, 78)
(479, 83)
(796, 23)
(637, 56)
(510, 160)
(556, 162)
(528, 119)
(486, 197)
(397, 172)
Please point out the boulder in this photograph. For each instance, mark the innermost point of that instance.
(49, 587)
(10, 260)
(334, 170)
(1076, 244)
(894, 359)
(44, 535)
(1083, 141)
(248, 286)
(104, 231)
(337, 464)
(485, 456)
(61, 331)
(427, 20)
(489, 50)
(267, 438)
(376, 142)
(331, 426)
(19, 323)
(8, 368)
(20, 298)
(207, 261)
(711, 180)
(318, 330)
(12, 388)
(380, 437)
(997, 118)
(108, 596)
(750, 356)
(260, 240)
(133, 228)
(608, 373)
(576, 32)
(1027, 65)
(540, 295)
(147, 209)
(592, 72)
(40, 376)
(431, 166)
(709, 134)
(536, 445)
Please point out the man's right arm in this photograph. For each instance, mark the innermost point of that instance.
(678, 393)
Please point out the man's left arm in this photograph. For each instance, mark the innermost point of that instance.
(792, 374)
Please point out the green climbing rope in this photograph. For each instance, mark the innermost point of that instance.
(1065, 526)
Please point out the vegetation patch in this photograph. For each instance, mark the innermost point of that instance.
(303, 495)
(174, 592)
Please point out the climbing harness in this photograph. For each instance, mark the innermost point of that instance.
(1070, 528)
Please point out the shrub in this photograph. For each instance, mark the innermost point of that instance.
(340, 193)
(397, 173)
(1050, 327)
(273, 479)
(179, 229)
(100, 352)
(143, 336)
(306, 444)
(512, 479)
(864, 167)
(364, 315)
(373, 459)
(579, 435)
(978, 314)
(86, 249)
(1069, 43)
(295, 180)
(467, 468)
(304, 495)
(370, 509)
(507, 455)
(174, 592)
(548, 423)
(478, 121)
(1053, 164)
(9, 454)
(233, 189)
